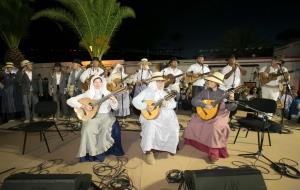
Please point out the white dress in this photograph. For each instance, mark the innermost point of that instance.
(96, 133)
(123, 98)
(161, 133)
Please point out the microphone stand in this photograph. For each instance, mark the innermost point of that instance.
(123, 123)
(287, 89)
(281, 168)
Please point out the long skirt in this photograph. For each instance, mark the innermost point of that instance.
(209, 136)
(124, 103)
(116, 149)
(161, 133)
(99, 137)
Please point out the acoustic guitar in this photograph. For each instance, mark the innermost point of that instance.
(190, 79)
(157, 105)
(208, 114)
(117, 83)
(85, 115)
(272, 76)
(171, 79)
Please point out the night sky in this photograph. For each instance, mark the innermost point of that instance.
(182, 26)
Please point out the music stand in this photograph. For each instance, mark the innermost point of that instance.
(283, 169)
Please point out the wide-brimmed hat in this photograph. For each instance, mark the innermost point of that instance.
(216, 77)
(25, 62)
(9, 65)
(145, 61)
(157, 76)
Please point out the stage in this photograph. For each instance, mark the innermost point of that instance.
(144, 176)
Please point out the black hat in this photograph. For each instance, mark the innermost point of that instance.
(77, 61)
(57, 64)
(199, 55)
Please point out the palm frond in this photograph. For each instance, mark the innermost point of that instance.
(60, 15)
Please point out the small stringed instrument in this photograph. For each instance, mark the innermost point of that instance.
(191, 79)
(207, 114)
(156, 110)
(171, 79)
(117, 83)
(272, 76)
(85, 115)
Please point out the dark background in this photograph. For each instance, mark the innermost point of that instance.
(166, 28)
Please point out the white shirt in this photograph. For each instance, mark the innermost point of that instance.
(58, 76)
(199, 69)
(272, 70)
(234, 79)
(174, 72)
(143, 74)
(89, 72)
(29, 74)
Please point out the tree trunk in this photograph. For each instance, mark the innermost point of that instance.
(15, 56)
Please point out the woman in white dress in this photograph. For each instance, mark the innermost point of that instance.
(100, 135)
(161, 133)
(123, 98)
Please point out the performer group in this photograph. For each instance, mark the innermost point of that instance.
(155, 96)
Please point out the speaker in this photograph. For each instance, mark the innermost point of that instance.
(225, 179)
(48, 182)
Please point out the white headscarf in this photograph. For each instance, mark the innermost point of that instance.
(92, 91)
(117, 72)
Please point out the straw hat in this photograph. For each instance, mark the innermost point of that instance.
(145, 61)
(216, 77)
(25, 62)
(9, 65)
(157, 76)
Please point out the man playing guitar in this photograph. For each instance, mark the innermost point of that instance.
(270, 79)
(173, 70)
(195, 71)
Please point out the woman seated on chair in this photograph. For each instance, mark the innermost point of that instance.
(100, 135)
(162, 132)
(211, 136)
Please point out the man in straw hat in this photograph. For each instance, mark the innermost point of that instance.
(162, 132)
(210, 136)
(11, 97)
(31, 88)
(144, 74)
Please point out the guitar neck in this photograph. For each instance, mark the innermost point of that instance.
(108, 96)
(167, 97)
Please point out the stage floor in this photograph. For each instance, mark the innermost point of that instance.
(144, 176)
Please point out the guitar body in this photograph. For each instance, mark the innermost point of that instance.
(153, 114)
(170, 79)
(207, 114)
(85, 115)
(264, 80)
(115, 85)
(85, 86)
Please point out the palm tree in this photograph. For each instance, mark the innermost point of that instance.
(94, 21)
(14, 21)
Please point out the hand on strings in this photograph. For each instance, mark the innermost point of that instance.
(208, 106)
(231, 96)
(150, 108)
(113, 100)
(87, 107)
